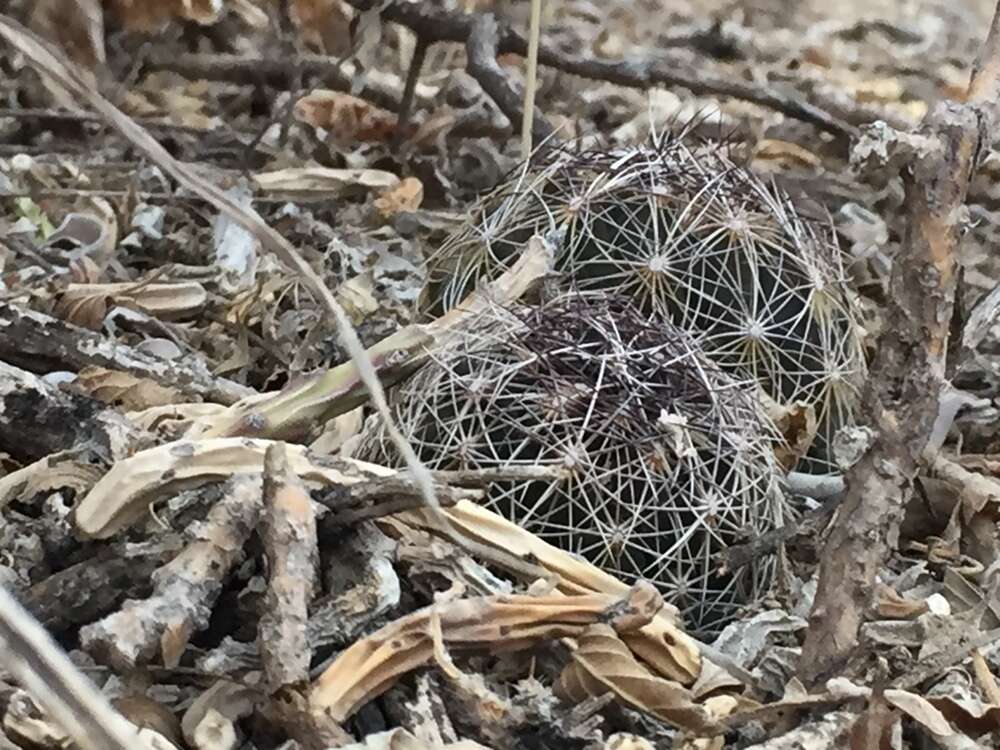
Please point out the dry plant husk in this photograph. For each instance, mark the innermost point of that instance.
(666, 460)
(681, 229)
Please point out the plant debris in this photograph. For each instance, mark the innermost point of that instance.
(390, 375)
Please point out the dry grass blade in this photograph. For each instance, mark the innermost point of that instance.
(40, 56)
(602, 662)
(495, 623)
(28, 652)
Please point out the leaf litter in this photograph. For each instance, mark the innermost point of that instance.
(222, 220)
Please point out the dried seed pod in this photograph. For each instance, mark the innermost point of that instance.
(669, 460)
(686, 233)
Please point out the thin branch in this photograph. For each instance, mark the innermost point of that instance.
(276, 73)
(412, 76)
(440, 26)
(481, 49)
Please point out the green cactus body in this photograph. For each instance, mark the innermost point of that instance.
(667, 459)
(688, 235)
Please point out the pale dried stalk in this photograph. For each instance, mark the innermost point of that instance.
(288, 533)
(47, 62)
(34, 659)
(531, 79)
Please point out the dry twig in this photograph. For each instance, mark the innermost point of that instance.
(434, 25)
(903, 395)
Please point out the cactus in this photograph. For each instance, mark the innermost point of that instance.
(667, 459)
(689, 235)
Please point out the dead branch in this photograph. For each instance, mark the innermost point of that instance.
(38, 419)
(288, 532)
(92, 588)
(269, 71)
(481, 50)
(902, 398)
(434, 25)
(41, 343)
(184, 589)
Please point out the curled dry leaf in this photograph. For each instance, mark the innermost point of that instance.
(406, 196)
(85, 237)
(602, 663)
(172, 301)
(124, 494)
(56, 471)
(322, 182)
(661, 644)
(491, 623)
(346, 118)
(920, 710)
(209, 723)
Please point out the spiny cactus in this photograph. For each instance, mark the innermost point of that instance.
(668, 460)
(688, 234)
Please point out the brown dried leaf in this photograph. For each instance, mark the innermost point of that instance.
(873, 729)
(321, 182)
(492, 623)
(153, 15)
(77, 26)
(123, 389)
(892, 606)
(920, 710)
(167, 301)
(347, 118)
(324, 25)
(602, 663)
(123, 495)
(407, 196)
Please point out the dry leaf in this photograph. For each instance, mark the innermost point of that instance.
(875, 727)
(660, 644)
(920, 710)
(347, 118)
(322, 182)
(77, 26)
(82, 303)
(602, 663)
(491, 623)
(57, 471)
(324, 25)
(153, 15)
(123, 495)
(120, 388)
(778, 155)
(891, 606)
(407, 196)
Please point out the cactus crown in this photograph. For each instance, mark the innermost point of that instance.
(687, 234)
